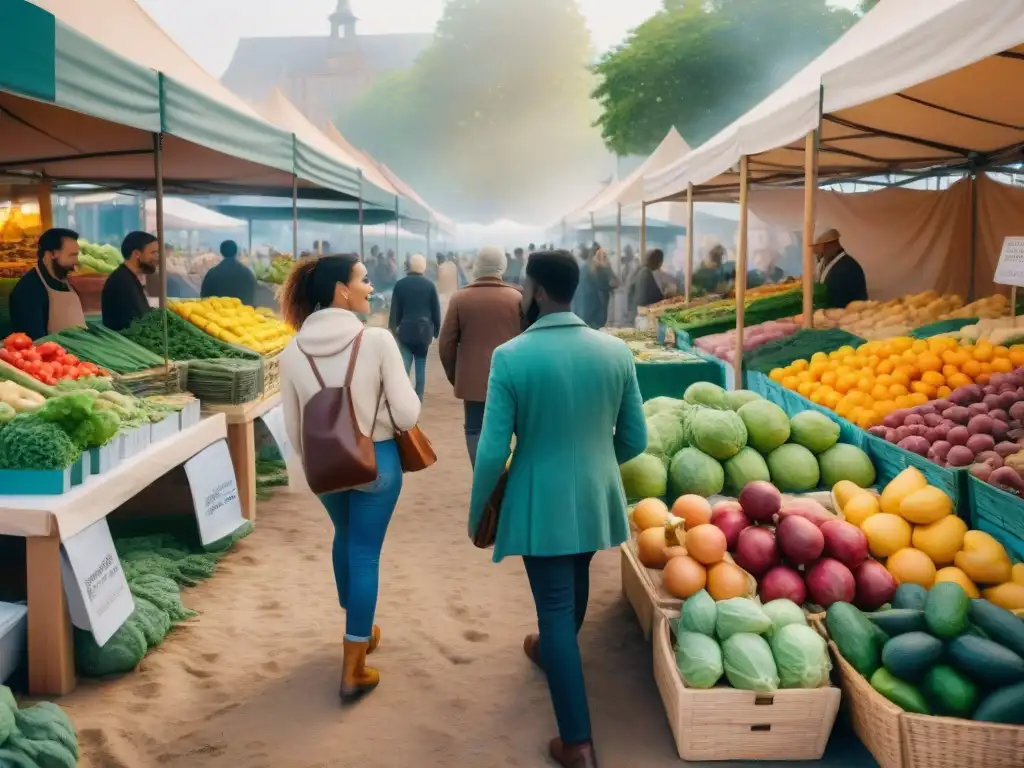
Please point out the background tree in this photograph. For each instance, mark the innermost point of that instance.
(495, 115)
(699, 64)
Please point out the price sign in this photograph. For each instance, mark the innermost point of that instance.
(98, 596)
(211, 479)
(1010, 269)
(274, 421)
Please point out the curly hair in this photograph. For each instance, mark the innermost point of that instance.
(310, 286)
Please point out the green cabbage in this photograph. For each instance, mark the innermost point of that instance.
(699, 660)
(737, 398)
(668, 405)
(699, 613)
(846, 462)
(767, 425)
(669, 429)
(783, 612)
(644, 476)
(793, 468)
(749, 664)
(745, 467)
(740, 614)
(720, 434)
(706, 393)
(693, 471)
(801, 657)
(814, 431)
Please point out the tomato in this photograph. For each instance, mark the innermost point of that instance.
(31, 355)
(18, 341)
(50, 350)
(7, 355)
(66, 359)
(88, 369)
(31, 367)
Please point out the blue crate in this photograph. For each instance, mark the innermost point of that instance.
(42, 482)
(997, 513)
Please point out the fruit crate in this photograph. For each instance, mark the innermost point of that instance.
(723, 723)
(647, 598)
(792, 404)
(998, 513)
(890, 460)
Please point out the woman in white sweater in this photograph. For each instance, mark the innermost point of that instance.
(320, 298)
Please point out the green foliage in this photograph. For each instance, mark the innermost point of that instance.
(28, 442)
(699, 64)
(502, 82)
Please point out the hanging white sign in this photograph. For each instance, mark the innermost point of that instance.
(98, 596)
(211, 479)
(1010, 269)
(274, 421)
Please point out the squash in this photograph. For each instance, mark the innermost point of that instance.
(913, 566)
(940, 540)
(926, 506)
(1009, 596)
(955, 575)
(901, 486)
(983, 559)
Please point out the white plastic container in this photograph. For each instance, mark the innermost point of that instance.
(13, 637)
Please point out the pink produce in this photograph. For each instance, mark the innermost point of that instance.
(875, 586)
(912, 419)
(957, 414)
(879, 431)
(1005, 449)
(731, 520)
(756, 550)
(925, 409)
(915, 444)
(939, 449)
(807, 508)
(987, 402)
(1007, 399)
(800, 540)
(761, 501)
(940, 405)
(895, 419)
(1017, 411)
(932, 419)
(960, 456)
(782, 582)
(980, 443)
(991, 458)
(845, 542)
(980, 424)
(958, 435)
(1000, 429)
(829, 581)
(982, 471)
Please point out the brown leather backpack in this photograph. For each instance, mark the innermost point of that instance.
(335, 454)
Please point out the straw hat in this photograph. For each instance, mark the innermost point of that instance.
(828, 236)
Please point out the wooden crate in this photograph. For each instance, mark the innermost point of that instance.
(723, 723)
(646, 597)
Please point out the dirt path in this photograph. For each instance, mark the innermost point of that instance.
(252, 682)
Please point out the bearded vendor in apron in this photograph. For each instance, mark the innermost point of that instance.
(43, 301)
(839, 271)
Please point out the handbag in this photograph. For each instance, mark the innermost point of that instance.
(414, 449)
(336, 456)
(487, 529)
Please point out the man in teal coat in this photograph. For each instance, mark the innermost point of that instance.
(570, 397)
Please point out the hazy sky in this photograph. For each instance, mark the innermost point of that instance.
(209, 29)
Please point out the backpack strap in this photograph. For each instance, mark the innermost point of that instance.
(351, 361)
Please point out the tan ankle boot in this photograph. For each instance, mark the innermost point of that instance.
(357, 679)
(374, 640)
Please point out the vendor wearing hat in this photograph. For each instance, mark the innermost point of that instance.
(839, 271)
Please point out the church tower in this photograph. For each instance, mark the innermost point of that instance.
(343, 19)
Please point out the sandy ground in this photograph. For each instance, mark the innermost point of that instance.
(252, 682)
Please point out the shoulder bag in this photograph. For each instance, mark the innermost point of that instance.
(487, 529)
(414, 449)
(336, 456)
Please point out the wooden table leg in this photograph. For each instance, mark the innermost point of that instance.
(51, 658)
(242, 445)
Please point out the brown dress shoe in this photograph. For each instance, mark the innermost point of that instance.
(531, 647)
(357, 679)
(374, 640)
(574, 755)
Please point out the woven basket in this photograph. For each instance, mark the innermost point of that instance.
(723, 723)
(271, 375)
(246, 385)
(169, 380)
(947, 742)
(876, 720)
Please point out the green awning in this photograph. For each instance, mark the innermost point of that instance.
(27, 56)
(347, 216)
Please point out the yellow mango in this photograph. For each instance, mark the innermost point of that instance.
(1017, 573)
(983, 559)
(845, 490)
(886, 534)
(901, 486)
(1009, 596)
(860, 507)
(955, 575)
(941, 540)
(925, 506)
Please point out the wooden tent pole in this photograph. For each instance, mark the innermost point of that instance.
(810, 198)
(158, 173)
(741, 270)
(295, 217)
(689, 240)
(643, 233)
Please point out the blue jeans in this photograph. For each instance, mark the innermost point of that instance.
(561, 588)
(421, 368)
(361, 520)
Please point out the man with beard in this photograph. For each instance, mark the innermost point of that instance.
(569, 396)
(43, 301)
(124, 298)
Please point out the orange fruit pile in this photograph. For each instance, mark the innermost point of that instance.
(868, 383)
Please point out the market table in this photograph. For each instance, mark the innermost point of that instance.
(45, 521)
(242, 444)
(670, 379)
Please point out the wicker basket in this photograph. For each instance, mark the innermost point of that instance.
(876, 720)
(723, 723)
(236, 381)
(170, 380)
(271, 375)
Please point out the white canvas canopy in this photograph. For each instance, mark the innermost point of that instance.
(913, 85)
(178, 213)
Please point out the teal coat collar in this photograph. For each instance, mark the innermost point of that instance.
(557, 320)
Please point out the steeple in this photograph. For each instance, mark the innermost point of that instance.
(343, 19)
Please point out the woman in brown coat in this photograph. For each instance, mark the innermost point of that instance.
(480, 318)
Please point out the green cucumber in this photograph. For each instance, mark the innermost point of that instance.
(1005, 705)
(910, 596)
(899, 621)
(855, 637)
(999, 624)
(948, 692)
(945, 610)
(899, 692)
(984, 661)
(910, 656)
